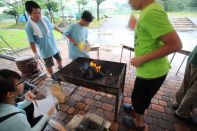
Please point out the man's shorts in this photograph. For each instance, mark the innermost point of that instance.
(49, 61)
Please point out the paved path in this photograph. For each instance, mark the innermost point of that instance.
(159, 116)
(115, 32)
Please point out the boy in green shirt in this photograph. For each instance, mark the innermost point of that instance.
(186, 95)
(155, 38)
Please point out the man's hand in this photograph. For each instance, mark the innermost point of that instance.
(33, 48)
(72, 40)
(137, 61)
(75, 43)
(87, 47)
(30, 96)
(36, 56)
(172, 43)
(58, 30)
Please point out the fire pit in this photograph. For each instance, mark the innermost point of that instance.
(104, 76)
(89, 71)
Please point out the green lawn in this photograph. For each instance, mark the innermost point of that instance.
(17, 38)
(12, 26)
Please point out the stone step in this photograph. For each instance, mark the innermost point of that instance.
(183, 24)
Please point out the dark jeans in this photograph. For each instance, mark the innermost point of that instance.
(144, 90)
(30, 116)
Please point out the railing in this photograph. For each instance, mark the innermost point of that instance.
(184, 52)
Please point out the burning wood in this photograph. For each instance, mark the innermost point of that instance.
(91, 71)
(94, 65)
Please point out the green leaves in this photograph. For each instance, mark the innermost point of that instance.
(14, 7)
(192, 3)
(178, 5)
(11, 12)
(81, 3)
(99, 1)
(52, 6)
(173, 5)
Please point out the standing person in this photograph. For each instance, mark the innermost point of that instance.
(39, 32)
(19, 116)
(186, 96)
(155, 38)
(77, 34)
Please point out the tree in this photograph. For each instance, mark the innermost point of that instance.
(13, 13)
(173, 5)
(84, 3)
(192, 3)
(165, 4)
(62, 9)
(51, 6)
(81, 3)
(15, 7)
(98, 2)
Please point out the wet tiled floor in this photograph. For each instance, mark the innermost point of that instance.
(158, 117)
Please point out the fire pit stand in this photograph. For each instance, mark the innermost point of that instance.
(112, 81)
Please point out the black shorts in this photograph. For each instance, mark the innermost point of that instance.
(49, 61)
(144, 90)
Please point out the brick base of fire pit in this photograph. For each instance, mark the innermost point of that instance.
(112, 80)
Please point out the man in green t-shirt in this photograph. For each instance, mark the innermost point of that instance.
(186, 96)
(155, 38)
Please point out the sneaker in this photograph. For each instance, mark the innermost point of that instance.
(175, 105)
(54, 77)
(190, 120)
(128, 108)
(129, 123)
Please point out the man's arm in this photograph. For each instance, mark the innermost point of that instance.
(33, 47)
(30, 36)
(72, 40)
(34, 50)
(23, 104)
(172, 43)
(58, 30)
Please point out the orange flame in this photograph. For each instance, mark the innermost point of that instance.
(94, 65)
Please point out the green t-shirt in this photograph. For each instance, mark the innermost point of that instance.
(193, 57)
(153, 23)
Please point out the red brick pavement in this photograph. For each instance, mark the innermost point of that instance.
(158, 117)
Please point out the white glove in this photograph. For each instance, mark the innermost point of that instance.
(87, 47)
(36, 56)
